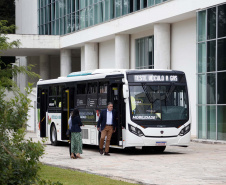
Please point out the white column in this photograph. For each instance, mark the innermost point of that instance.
(83, 58)
(65, 62)
(44, 67)
(91, 56)
(22, 78)
(162, 46)
(122, 51)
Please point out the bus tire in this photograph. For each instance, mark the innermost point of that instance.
(53, 135)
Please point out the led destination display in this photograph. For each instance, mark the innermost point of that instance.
(155, 78)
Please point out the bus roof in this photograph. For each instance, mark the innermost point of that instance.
(99, 74)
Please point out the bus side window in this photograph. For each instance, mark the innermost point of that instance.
(58, 94)
(92, 88)
(81, 88)
(38, 97)
(103, 87)
(52, 96)
(102, 94)
(81, 95)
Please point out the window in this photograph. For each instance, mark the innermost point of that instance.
(145, 53)
(79, 14)
(211, 73)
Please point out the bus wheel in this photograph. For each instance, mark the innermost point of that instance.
(53, 135)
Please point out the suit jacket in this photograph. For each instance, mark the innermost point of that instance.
(103, 119)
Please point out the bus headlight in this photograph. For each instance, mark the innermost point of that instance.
(135, 130)
(185, 130)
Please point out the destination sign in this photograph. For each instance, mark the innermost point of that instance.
(155, 78)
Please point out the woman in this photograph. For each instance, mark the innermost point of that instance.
(76, 136)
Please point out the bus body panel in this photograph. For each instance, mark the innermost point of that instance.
(89, 135)
(54, 118)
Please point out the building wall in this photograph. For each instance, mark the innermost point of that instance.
(107, 54)
(183, 57)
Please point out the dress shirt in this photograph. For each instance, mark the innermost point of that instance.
(109, 117)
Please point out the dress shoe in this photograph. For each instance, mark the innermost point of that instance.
(101, 151)
(107, 154)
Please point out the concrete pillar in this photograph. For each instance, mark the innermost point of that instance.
(91, 56)
(22, 79)
(122, 51)
(65, 62)
(83, 58)
(162, 46)
(44, 67)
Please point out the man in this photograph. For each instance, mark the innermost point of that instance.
(107, 124)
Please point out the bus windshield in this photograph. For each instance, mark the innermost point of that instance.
(158, 102)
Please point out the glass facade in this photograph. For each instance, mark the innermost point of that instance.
(59, 17)
(211, 73)
(145, 53)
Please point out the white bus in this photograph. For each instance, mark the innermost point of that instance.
(152, 107)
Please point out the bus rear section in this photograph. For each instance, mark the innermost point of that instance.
(157, 110)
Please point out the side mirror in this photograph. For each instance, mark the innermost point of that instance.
(125, 91)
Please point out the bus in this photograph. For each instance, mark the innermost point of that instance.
(152, 107)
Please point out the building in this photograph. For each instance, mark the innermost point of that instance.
(61, 36)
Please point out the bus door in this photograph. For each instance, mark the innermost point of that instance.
(43, 110)
(116, 97)
(67, 106)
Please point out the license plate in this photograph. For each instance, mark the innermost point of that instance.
(160, 143)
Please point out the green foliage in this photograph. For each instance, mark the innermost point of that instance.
(7, 12)
(4, 29)
(19, 157)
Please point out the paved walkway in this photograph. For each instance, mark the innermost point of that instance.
(199, 164)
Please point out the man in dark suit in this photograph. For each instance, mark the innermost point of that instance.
(107, 125)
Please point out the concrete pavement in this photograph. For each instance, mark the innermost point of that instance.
(198, 164)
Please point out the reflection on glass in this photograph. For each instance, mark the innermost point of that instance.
(211, 23)
(211, 88)
(211, 122)
(126, 5)
(151, 2)
(202, 122)
(158, 102)
(211, 56)
(222, 21)
(202, 57)
(118, 5)
(201, 89)
(221, 123)
(202, 25)
(151, 52)
(93, 11)
(221, 90)
(62, 26)
(144, 53)
(221, 54)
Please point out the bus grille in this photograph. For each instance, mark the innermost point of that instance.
(85, 134)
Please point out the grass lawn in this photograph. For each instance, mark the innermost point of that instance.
(70, 177)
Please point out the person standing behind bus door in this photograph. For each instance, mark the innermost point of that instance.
(76, 136)
(107, 124)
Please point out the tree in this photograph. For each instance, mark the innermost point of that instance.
(7, 12)
(19, 157)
